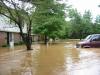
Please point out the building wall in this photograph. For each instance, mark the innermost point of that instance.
(7, 26)
(3, 38)
(36, 37)
(17, 38)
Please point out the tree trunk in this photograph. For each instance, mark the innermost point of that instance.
(29, 47)
(45, 40)
(28, 42)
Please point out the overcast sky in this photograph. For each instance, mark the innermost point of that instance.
(83, 5)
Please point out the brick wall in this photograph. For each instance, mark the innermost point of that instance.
(3, 38)
(17, 38)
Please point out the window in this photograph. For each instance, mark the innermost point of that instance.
(96, 38)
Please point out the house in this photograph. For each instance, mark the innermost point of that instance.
(9, 32)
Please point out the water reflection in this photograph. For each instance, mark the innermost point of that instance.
(53, 59)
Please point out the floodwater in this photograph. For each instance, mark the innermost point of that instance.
(52, 59)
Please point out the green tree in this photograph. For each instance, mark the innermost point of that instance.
(49, 19)
(80, 26)
(67, 32)
(76, 26)
(96, 26)
(87, 23)
(18, 13)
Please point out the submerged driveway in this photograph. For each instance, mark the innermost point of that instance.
(53, 59)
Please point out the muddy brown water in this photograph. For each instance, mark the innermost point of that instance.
(51, 59)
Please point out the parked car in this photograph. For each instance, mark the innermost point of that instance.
(91, 41)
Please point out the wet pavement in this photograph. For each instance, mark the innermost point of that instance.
(52, 59)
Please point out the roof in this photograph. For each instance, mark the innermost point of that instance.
(6, 26)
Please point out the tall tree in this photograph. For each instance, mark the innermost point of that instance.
(81, 26)
(87, 23)
(76, 20)
(18, 12)
(96, 26)
(49, 19)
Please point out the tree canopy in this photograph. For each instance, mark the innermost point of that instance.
(49, 19)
